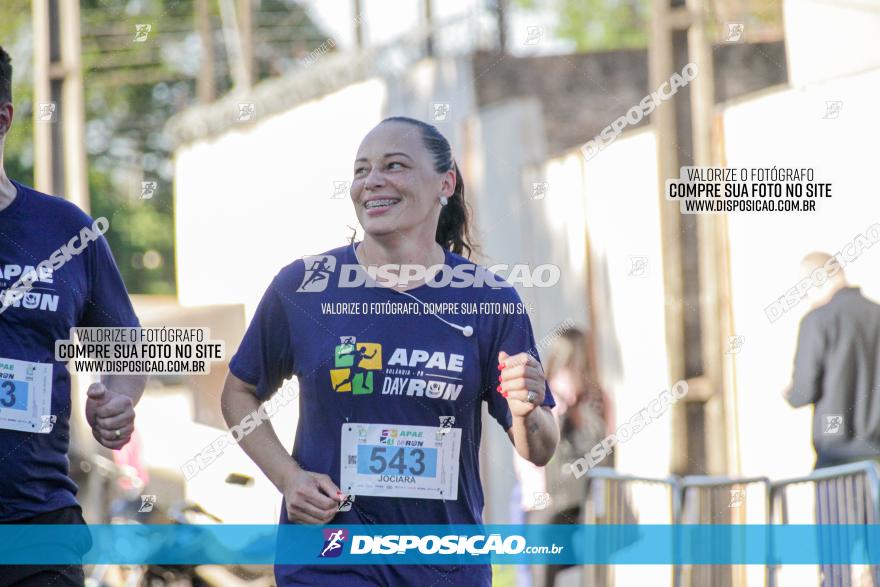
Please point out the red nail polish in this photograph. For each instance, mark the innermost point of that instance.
(499, 378)
(498, 388)
(502, 365)
(504, 394)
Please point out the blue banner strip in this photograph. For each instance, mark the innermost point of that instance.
(440, 544)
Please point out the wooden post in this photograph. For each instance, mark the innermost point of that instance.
(429, 24)
(358, 25)
(76, 184)
(711, 230)
(502, 25)
(693, 245)
(663, 119)
(206, 88)
(42, 95)
(234, 48)
(246, 35)
(59, 110)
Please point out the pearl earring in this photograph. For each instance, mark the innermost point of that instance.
(443, 201)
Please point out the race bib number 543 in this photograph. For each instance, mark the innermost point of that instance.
(393, 460)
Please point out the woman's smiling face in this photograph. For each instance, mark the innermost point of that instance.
(395, 188)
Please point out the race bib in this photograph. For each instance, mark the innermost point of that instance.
(393, 460)
(26, 396)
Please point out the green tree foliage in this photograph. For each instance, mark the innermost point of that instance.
(601, 25)
(596, 25)
(131, 90)
(14, 37)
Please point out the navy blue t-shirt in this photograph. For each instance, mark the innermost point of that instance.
(294, 333)
(86, 291)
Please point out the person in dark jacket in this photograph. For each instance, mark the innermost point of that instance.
(837, 366)
(837, 369)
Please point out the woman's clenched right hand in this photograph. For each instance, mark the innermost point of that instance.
(311, 498)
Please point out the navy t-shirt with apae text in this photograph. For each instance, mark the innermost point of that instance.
(415, 369)
(86, 291)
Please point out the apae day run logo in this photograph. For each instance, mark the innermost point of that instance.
(358, 367)
(354, 365)
(333, 542)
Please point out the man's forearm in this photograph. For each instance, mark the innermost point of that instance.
(130, 385)
(535, 436)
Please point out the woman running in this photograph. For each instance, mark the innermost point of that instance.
(390, 400)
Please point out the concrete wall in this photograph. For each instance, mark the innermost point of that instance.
(624, 231)
(583, 93)
(436, 81)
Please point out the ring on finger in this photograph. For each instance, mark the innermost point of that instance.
(533, 395)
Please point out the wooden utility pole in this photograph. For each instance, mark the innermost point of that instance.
(246, 33)
(429, 27)
(59, 111)
(711, 254)
(693, 244)
(233, 36)
(206, 87)
(501, 19)
(358, 25)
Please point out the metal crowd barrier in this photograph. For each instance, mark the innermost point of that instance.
(722, 500)
(618, 499)
(845, 494)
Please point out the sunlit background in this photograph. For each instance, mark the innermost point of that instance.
(218, 137)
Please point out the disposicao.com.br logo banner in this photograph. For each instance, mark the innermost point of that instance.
(440, 544)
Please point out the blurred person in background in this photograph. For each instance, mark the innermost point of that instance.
(837, 366)
(551, 494)
(43, 294)
(837, 370)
